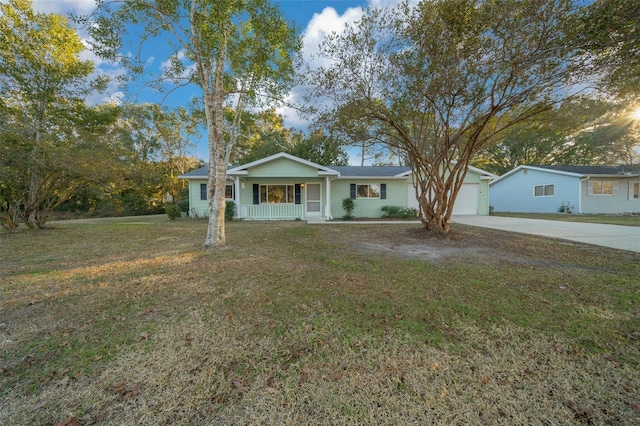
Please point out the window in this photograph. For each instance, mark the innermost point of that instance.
(228, 192)
(277, 194)
(544, 190)
(602, 188)
(368, 191)
(634, 190)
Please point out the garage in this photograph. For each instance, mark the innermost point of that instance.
(466, 203)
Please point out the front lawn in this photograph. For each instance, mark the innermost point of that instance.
(129, 321)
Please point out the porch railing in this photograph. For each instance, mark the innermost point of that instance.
(272, 211)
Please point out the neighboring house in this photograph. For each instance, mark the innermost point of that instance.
(581, 189)
(283, 186)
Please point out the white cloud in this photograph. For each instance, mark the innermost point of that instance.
(321, 25)
(64, 7)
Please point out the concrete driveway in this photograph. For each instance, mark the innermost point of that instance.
(614, 236)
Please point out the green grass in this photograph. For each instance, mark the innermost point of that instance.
(587, 218)
(129, 321)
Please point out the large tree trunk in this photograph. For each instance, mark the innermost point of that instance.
(436, 193)
(214, 111)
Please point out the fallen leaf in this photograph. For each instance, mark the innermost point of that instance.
(304, 376)
(230, 314)
(336, 376)
(64, 382)
(133, 391)
(71, 421)
(635, 406)
(485, 380)
(144, 335)
(97, 357)
(270, 380)
(239, 387)
(435, 366)
(485, 416)
(399, 316)
(119, 387)
(580, 413)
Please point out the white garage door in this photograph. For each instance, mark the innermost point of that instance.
(466, 203)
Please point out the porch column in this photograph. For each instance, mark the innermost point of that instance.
(327, 205)
(237, 198)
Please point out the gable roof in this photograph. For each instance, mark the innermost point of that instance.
(242, 170)
(596, 170)
(201, 172)
(580, 171)
(372, 171)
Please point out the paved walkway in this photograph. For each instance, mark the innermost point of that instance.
(614, 236)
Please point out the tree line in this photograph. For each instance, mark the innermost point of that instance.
(436, 85)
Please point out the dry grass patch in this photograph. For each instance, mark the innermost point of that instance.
(130, 322)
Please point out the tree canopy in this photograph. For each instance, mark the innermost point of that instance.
(49, 145)
(239, 53)
(438, 81)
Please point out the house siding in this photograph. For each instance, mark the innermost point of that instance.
(483, 197)
(282, 168)
(617, 203)
(201, 207)
(396, 193)
(516, 192)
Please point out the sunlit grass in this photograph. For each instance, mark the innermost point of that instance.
(123, 320)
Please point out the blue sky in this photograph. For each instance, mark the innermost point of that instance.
(314, 18)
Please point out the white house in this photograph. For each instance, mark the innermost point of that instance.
(283, 186)
(580, 189)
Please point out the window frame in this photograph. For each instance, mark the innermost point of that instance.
(232, 191)
(368, 191)
(289, 193)
(544, 190)
(204, 192)
(601, 184)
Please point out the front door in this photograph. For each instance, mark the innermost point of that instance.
(314, 202)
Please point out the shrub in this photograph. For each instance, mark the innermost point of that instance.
(349, 205)
(230, 210)
(398, 212)
(184, 206)
(173, 212)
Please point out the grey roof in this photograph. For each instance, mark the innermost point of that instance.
(199, 173)
(596, 170)
(370, 171)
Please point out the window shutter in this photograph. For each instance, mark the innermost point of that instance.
(634, 189)
(352, 192)
(256, 193)
(383, 191)
(296, 198)
(616, 187)
(203, 191)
